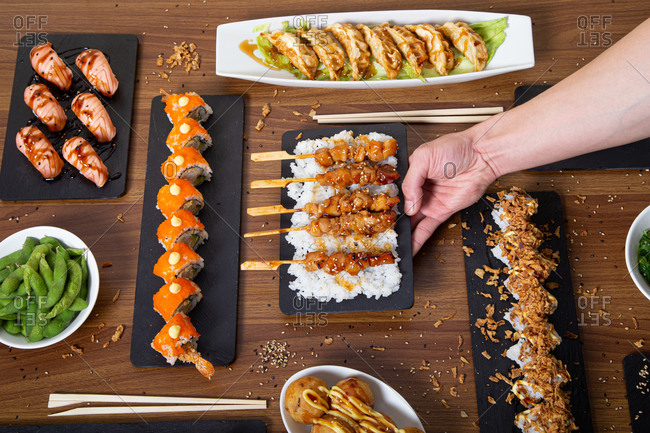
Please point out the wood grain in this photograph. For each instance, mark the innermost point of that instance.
(414, 349)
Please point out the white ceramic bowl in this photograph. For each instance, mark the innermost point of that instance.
(14, 243)
(640, 224)
(387, 400)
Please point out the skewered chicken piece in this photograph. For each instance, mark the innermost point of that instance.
(333, 264)
(362, 223)
(374, 151)
(336, 205)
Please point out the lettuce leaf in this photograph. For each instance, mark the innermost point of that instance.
(493, 33)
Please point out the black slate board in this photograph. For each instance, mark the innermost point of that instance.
(499, 418)
(638, 390)
(215, 317)
(18, 179)
(629, 156)
(244, 426)
(290, 302)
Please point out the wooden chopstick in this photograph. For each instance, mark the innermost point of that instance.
(111, 410)
(419, 113)
(410, 119)
(58, 400)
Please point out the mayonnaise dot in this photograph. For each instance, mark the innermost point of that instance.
(174, 258)
(183, 101)
(174, 189)
(175, 288)
(176, 221)
(178, 160)
(185, 128)
(174, 331)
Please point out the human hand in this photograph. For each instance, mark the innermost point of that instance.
(444, 176)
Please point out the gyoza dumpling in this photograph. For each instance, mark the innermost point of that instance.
(298, 53)
(468, 42)
(440, 55)
(328, 51)
(383, 48)
(410, 46)
(355, 47)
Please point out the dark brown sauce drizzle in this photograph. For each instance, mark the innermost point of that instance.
(73, 126)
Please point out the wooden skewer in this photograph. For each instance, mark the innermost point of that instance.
(278, 183)
(58, 400)
(269, 210)
(271, 265)
(432, 112)
(277, 156)
(273, 232)
(412, 119)
(110, 410)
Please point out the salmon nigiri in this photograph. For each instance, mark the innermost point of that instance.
(47, 63)
(39, 98)
(91, 112)
(81, 155)
(37, 148)
(94, 65)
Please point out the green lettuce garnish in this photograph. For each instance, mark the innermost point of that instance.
(492, 32)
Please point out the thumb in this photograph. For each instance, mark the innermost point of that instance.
(414, 180)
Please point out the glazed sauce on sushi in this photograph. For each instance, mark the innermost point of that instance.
(249, 48)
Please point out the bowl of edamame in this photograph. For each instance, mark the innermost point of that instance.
(49, 282)
(637, 252)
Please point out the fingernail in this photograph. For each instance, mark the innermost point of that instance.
(408, 206)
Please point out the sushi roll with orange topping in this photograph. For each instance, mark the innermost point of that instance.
(186, 105)
(48, 110)
(179, 194)
(180, 261)
(39, 151)
(178, 296)
(81, 155)
(47, 63)
(187, 163)
(188, 132)
(177, 340)
(89, 109)
(94, 65)
(182, 227)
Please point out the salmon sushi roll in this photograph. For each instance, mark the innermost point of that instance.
(39, 151)
(180, 261)
(94, 65)
(81, 155)
(186, 105)
(177, 340)
(179, 194)
(93, 115)
(178, 296)
(182, 227)
(187, 163)
(188, 132)
(47, 63)
(45, 106)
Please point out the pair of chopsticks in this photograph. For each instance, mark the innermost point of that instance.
(170, 404)
(440, 115)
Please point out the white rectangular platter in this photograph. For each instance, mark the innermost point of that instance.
(514, 54)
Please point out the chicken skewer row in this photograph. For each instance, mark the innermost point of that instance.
(333, 264)
(336, 205)
(362, 223)
(374, 151)
(360, 173)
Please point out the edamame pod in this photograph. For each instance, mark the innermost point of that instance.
(83, 292)
(36, 333)
(58, 324)
(46, 272)
(11, 283)
(78, 304)
(50, 258)
(38, 286)
(16, 305)
(60, 274)
(11, 327)
(9, 259)
(53, 242)
(75, 251)
(28, 247)
(30, 317)
(4, 273)
(72, 287)
(37, 253)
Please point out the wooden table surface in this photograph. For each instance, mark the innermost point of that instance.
(564, 42)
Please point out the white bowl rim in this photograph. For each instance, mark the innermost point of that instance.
(343, 372)
(642, 222)
(72, 241)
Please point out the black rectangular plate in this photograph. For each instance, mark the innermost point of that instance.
(19, 180)
(499, 418)
(215, 317)
(244, 426)
(290, 302)
(638, 390)
(629, 156)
